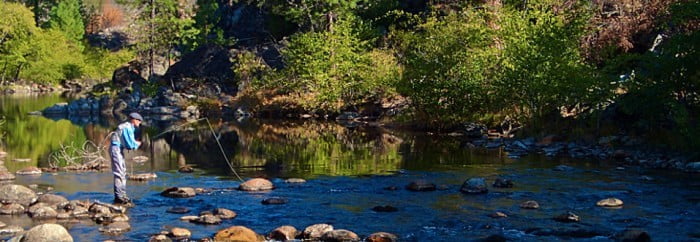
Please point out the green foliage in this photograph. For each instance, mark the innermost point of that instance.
(333, 70)
(314, 15)
(450, 64)
(16, 32)
(66, 16)
(542, 67)
(101, 63)
(53, 58)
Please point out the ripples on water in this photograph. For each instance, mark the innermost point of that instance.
(347, 170)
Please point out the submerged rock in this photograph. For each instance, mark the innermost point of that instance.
(530, 205)
(567, 217)
(178, 210)
(179, 192)
(256, 184)
(498, 215)
(116, 228)
(47, 233)
(635, 235)
(610, 202)
(316, 231)
(340, 235)
(223, 213)
(503, 183)
(474, 186)
(237, 233)
(382, 237)
(32, 170)
(283, 233)
(12, 193)
(142, 176)
(385, 208)
(207, 219)
(295, 180)
(421, 186)
(274, 201)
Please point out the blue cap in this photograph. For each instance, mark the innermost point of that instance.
(136, 116)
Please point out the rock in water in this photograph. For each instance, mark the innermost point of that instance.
(142, 176)
(116, 228)
(421, 186)
(503, 183)
(12, 209)
(498, 215)
(32, 170)
(316, 231)
(635, 235)
(256, 184)
(283, 233)
(610, 202)
(295, 180)
(567, 217)
(48, 233)
(340, 235)
(179, 192)
(10, 230)
(6, 176)
(17, 194)
(474, 186)
(180, 233)
(274, 201)
(140, 159)
(223, 213)
(51, 199)
(237, 233)
(530, 205)
(185, 169)
(386, 208)
(178, 210)
(207, 219)
(382, 237)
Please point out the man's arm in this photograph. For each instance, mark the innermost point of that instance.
(129, 139)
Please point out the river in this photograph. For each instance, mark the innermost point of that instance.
(347, 168)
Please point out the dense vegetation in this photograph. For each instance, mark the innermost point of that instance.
(455, 61)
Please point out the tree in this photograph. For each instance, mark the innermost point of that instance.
(17, 28)
(314, 15)
(66, 17)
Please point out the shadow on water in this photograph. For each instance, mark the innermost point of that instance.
(347, 169)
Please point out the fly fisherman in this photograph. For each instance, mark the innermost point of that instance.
(123, 138)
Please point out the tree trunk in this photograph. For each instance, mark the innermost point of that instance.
(152, 42)
(19, 68)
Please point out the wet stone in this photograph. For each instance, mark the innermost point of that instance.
(52, 199)
(385, 208)
(179, 192)
(237, 233)
(47, 232)
(610, 202)
(11, 230)
(283, 233)
(12, 209)
(32, 170)
(421, 186)
(116, 228)
(44, 213)
(185, 169)
(256, 184)
(339, 235)
(189, 218)
(63, 216)
(633, 235)
(474, 186)
(207, 219)
(159, 238)
(530, 205)
(382, 237)
(180, 233)
(503, 183)
(6, 176)
(498, 215)
(178, 210)
(316, 231)
(223, 213)
(274, 201)
(295, 180)
(567, 217)
(12, 193)
(142, 177)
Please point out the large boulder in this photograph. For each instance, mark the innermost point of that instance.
(179, 192)
(52, 199)
(205, 71)
(237, 233)
(17, 194)
(340, 235)
(283, 233)
(256, 184)
(316, 231)
(124, 76)
(382, 237)
(48, 233)
(474, 186)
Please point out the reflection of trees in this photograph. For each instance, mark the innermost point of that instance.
(34, 137)
(293, 148)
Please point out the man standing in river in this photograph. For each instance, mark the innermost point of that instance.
(123, 138)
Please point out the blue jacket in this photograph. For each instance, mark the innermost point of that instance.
(124, 136)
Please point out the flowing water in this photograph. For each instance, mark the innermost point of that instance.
(348, 168)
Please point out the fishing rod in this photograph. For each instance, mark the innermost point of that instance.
(216, 137)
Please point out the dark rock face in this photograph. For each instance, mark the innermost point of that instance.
(125, 76)
(205, 72)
